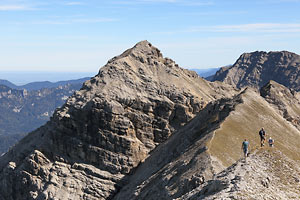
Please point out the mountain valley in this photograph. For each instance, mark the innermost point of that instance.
(22, 111)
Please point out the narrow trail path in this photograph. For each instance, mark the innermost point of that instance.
(265, 174)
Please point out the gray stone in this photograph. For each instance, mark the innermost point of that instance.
(107, 129)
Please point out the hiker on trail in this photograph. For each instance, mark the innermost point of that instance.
(271, 142)
(245, 147)
(262, 134)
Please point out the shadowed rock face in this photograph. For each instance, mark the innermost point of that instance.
(191, 164)
(183, 162)
(105, 130)
(257, 68)
(286, 101)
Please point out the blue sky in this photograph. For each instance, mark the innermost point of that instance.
(80, 36)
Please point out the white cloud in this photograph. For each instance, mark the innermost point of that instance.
(74, 21)
(282, 1)
(259, 28)
(251, 28)
(178, 2)
(22, 5)
(264, 27)
(96, 20)
(74, 3)
(14, 7)
(216, 13)
(159, 1)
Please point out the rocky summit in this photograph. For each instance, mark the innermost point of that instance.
(144, 128)
(97, 140)
(258, 68)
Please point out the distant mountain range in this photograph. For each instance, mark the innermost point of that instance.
(42, 84)
(206, 72)
(27, 107)
(24, 77)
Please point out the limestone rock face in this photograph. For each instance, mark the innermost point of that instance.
(183, 162)
(286, 101)
(257, 68)
(199, 161)
(104, 131)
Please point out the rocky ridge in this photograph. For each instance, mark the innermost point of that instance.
(265, 174)
(257, 68)
(183, 162)
(191, 159)
(105, 130)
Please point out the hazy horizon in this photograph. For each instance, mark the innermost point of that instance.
(23, 77)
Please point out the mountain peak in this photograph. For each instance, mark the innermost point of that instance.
(147, 48)
(107, 128)
(140, 51)
(143, 43)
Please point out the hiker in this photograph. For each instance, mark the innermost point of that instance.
(271, 142)
(262, 134)
(245, 147)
